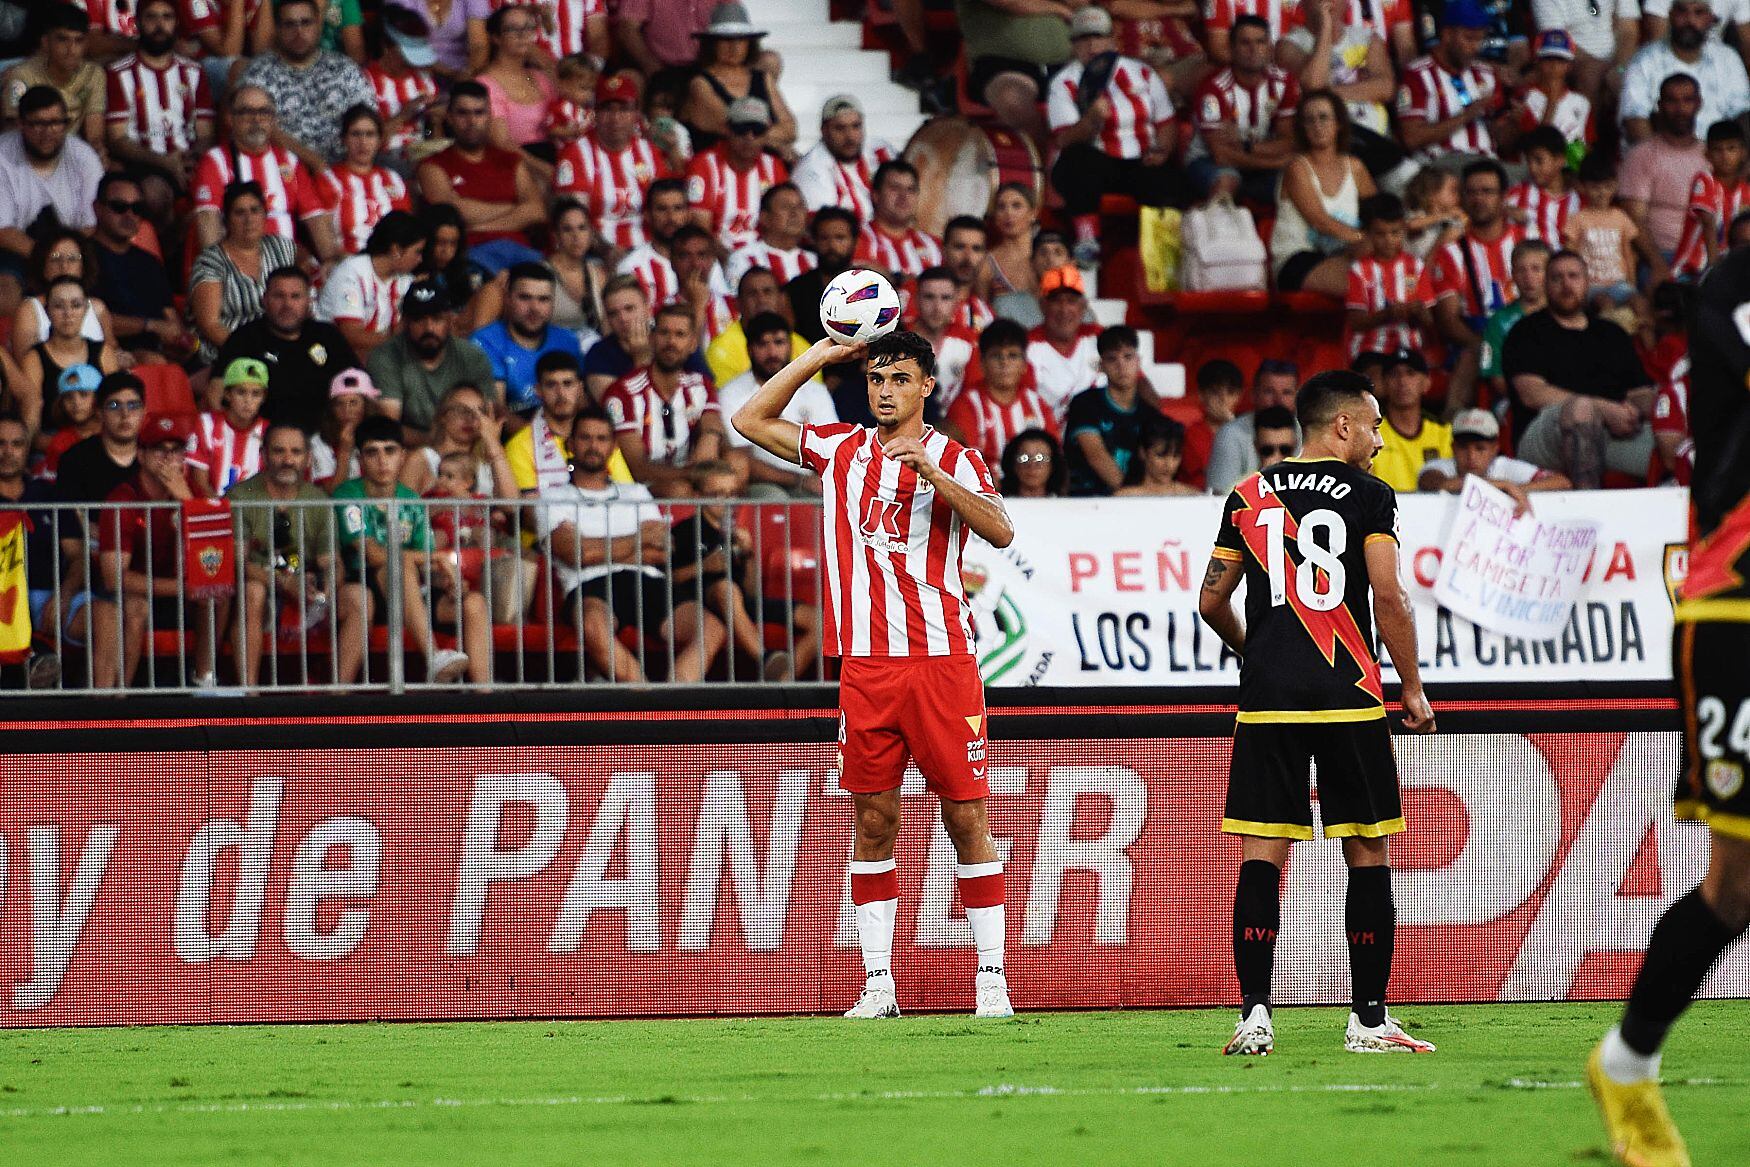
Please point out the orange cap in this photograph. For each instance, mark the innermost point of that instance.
(1067, 278)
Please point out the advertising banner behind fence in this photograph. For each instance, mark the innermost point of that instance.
(1105, 593)
(622, 880)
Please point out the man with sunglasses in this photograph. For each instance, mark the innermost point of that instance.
(726, 183)
(131, 280)
(44, 173)
(1235, 454)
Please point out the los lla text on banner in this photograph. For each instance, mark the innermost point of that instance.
(1105, 593)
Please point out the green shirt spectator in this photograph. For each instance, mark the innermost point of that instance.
(365, 518)
(1495, 338)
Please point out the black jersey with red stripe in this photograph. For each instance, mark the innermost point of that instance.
(1301, 530)
(1719, 421)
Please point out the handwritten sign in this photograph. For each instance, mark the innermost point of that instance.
(1513, 574)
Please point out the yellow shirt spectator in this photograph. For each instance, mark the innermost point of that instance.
(1400, 463)
(727, 355)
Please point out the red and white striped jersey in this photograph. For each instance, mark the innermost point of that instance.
(611, 185)
(988, 425)
(113, 16)
(361, 200)
(826, 182)
(1429, 93)
(353, 291)
(291, 194)
(1546, 214)
(566, 115)
(1375, 283)
(954, 352)
(1380, 15)
(1138, 99)
(568, 20)
(1485, 283)
(731, 196)
(198, 16)
(784, 265)
(655, 274)
(1671, 416)
(891, 546)
(1712, 206)
(1282, 15)
(1573, 115)
(1253, 112)
(227, 454)
(1062, 375)
(159, 107)
(395, 94)
(903, 255)
(974, 312)
(668, 425)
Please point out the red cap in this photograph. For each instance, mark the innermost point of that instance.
(159, 428)
(616, 87)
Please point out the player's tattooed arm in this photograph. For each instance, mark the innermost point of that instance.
(1215, 603)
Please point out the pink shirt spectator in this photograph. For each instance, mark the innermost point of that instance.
(449, 40)
(1658, 173)
(527, 123)
(668, 26)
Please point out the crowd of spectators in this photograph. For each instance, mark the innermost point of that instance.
(537, 252)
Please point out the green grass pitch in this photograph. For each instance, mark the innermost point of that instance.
(1137, 1087)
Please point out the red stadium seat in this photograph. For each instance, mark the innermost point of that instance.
(167, 389)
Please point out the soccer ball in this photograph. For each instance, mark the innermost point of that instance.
(858, 306)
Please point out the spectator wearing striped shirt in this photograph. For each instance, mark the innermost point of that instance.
(892, 240)
(288, 193)
(362, 295)
(1389, 296)
(160, 113)
(1544, 201)
(1716, 197)
(837, 170)
(400, 76)
(726, 182)
(360, 190)
(227, 444)
(783, 226)
(1112, 125)
(614, 169)
(1449, 103)
(1003, 400)
(666, 417)
(1245, 120)
(1473, 275)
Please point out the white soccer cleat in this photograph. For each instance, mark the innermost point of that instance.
(877, 1001)
(1253, 1036)
(993, 996)
(1388, 1038)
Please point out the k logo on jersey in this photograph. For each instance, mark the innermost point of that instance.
(880, 526)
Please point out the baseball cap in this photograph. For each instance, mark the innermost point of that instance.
(163, 428)
(1464, 14)
(411, 35)
(245, 371)
(1406, 356)
(1475, 423)
(1067, 278)
(616, 87)
(841, 103)
(423, 301)
(1555, 44)
(353, 382)
(80, 378)
(749, 111)
(1090, 21)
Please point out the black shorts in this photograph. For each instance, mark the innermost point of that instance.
(1296, 268)
(1713, 686)
(1269, 784)
(985, 69)
(636, 600)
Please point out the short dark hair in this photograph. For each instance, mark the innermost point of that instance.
(1278, 417)
(935, 273)
(1381, 208)
(528, 270)
(248, 188)
(1114, 338)
(470, 88)
(1726, 131)
(555, 362)
(1322, 397)
(1219, 374)
(378, 428)
(114, 178)
(660, 187)
(755, 270)
(1247, 20)
(1275, 367)
(1154, 427)
(675, 308)
(360, 113)
(396, 229)
(689, 231)
(833, 214)
(40, 97)
(1678, 79)
(65, 18)
(890, 168)
(1045, 238)
(591, 412)
(1564, 254)
(965, 223)
(288, 272)
(119, 382)
(1595, 167)
(1546, 138)
(1002, 333)
(1484, 166)
(903, 344)
(764, 324)
(282, 5)
(267, 434)
(766, 199)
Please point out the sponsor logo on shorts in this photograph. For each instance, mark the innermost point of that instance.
(1724, 778)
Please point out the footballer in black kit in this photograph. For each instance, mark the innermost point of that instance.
(1711, 663)
(1315, 540)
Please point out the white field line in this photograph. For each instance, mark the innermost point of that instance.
(999, 1090)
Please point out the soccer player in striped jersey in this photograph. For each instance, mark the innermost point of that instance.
(900, 500)
(1315, 540)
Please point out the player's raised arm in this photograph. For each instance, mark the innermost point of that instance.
(761, 418)
(1397, 628)
(1215, 602)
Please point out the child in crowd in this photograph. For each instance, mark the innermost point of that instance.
(1220, 385)
(454, 527)
(1001, 396)
(1389, 297)
(401, 79)
(226, 447)
(1433, 217)
(73, 416)
(1603, 234)
(334, 458)
(571, 113)
(1548, 101)
(1716, 197)
(1160, 450)
(662, 110)
(1544, 202)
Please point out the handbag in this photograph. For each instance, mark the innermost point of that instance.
(1221, 249)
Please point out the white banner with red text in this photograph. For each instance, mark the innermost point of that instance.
(599, 881)
(1104, 592)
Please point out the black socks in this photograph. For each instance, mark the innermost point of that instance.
(1685, 944)
(1257, 916)
(1370, 920)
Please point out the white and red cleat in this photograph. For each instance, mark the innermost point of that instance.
(1254, 1036)
(1388, 1038)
